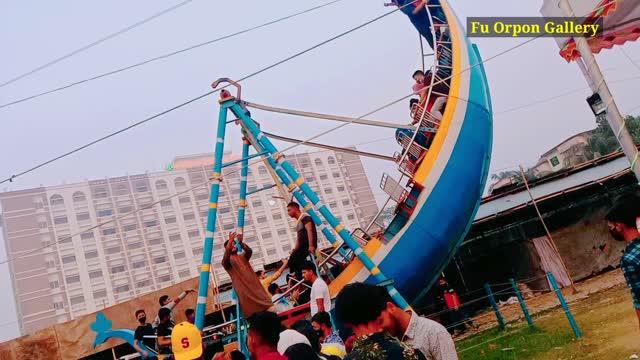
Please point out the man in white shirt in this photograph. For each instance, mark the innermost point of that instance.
(320, 299)
(428, 336)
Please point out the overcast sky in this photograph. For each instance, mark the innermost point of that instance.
(350, 77)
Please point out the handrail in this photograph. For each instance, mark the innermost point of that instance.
(429, 93)
(215, 327)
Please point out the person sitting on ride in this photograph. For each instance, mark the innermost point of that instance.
(421, 88)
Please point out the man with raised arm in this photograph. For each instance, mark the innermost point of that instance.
(251, 294)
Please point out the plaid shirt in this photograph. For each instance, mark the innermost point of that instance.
(630, 265)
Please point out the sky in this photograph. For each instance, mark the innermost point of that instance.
(350, 76)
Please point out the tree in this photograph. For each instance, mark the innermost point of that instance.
(516, 175)
(604, 142)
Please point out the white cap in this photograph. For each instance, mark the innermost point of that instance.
(290, 337)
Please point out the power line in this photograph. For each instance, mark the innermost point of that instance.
(167, 55)
(97, 42)
(185, 103)
(285, 149)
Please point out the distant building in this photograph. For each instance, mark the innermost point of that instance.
(572, 151)
(56, 278)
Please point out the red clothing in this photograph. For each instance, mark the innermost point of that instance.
(272, 356)
(451, 298)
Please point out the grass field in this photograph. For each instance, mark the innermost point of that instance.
(606, 319)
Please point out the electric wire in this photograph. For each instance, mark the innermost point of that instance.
(97, 42)
(167, 55)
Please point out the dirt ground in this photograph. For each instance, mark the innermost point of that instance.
(602, 309)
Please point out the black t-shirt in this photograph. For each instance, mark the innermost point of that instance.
(164, 330)
(303, 236)
(141, 332)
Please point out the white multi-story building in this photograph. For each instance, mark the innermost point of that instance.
(74, 251)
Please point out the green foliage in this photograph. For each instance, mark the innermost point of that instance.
(604, 142)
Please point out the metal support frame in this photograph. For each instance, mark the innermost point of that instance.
(598, 84)
(250, 126)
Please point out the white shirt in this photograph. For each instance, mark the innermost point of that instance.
(431, 338)
(320, 290)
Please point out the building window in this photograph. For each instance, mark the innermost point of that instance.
(58, 305)
(56, 200)
(165, 203)
(351, 217)
(150, 223)
(100, 192)
(141, 186)
(333, 205)
(83, 216)
(304, 164)
(165, 278)
(202, 196)
(194, 234)
(72, 279)
(179, 183)
(136, 245)
(121, 289)
(161, 185)
(125, 209)
(114, 250)
(77, 300)
(282, 232)
(318, 162)
(91, 254)
(228, 226)
(179, 255)
(96, 274)
(323, 177)
(340, 188)
(100, 294)
(42, 224)
(266, 235)
(197, 251)
(331, 160)
(78, 197)
(109, 231)
(184, 274)
(262, 219)
(69, 259)
(156, 241)
(328, 190)
(252, 188)
(271, 252)
(139, 264)
(50, 264)
(160, 260)
(143, 283)
(54, 284)
(262, 170)
(189, 217)
(184, 200)
(130, 227)
(286, 248)
(345, 202)
(121, 189)
(59, 220)
(224, 210)
(277, 216)
(105, 212)
(170, 220)
(256, 203)
(117, 269)
(174, 237)
(63, 239)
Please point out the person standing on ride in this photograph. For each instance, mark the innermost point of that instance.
(166, 302)
(144, 329)
(320, 298)
(251, 294)
(307, 239)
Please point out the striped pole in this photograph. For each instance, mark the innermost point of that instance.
(322, 208)
(244, 171)
(523, 305)
(205, 269)
(308, 208)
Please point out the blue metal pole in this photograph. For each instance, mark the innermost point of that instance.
(494, 305)
(564, 305)
(244, 171)
(523, 305)
(308, 208)
(315, 201)
(205, 269)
